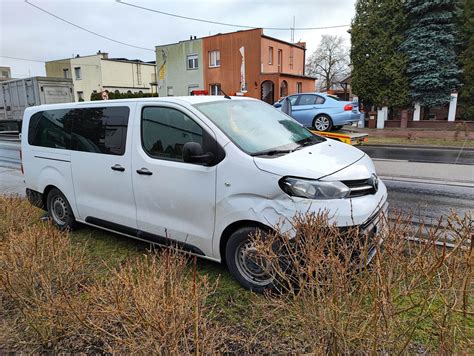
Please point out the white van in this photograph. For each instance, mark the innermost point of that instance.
(201, 172)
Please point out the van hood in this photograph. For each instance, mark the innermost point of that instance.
(314, 162)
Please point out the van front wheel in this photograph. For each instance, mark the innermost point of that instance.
(244, 263)
(60, 211)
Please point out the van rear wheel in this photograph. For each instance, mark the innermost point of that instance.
(59, 210)
(244, 263)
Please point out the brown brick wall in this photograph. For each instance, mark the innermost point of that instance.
(228, 74)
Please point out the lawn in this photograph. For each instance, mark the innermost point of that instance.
(95, 291)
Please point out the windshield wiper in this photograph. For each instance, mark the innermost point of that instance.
(309, 141)
(271, 152)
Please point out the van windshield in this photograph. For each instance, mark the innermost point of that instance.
(258, 128)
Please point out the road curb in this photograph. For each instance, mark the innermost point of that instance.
(454, 148)
(428, 181)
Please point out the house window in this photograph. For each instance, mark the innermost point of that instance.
(192, 61)
(77, 73)
(66, 73)
(215, 89)
(299, 87)
(80, 96)
(270, 55)
(280, 60)
(214, 59)
(169, 91)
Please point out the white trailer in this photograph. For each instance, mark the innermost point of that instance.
(18, 94)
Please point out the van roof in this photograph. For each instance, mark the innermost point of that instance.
(190, 100)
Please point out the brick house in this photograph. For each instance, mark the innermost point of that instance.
(245, 63)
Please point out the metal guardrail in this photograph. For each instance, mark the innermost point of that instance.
(9, 137)
(10, 150)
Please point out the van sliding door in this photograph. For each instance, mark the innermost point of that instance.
(101, 165)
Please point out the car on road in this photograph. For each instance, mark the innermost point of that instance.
(198, 172)
(322, 112)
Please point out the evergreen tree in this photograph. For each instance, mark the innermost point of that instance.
(430, 44)
(379, 69)
(467, 61)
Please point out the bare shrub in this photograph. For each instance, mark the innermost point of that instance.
(55, 298)
(154, 304)
(41, 280)
(411, 293)
(15, 214)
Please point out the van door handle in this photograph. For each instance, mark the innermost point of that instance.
(144, 171)
(118, 167)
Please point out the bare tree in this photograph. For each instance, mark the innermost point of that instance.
(329, 62)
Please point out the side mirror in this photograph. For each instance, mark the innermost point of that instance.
(277, 104)
(193, 153)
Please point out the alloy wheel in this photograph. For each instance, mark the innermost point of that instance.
(322, 123)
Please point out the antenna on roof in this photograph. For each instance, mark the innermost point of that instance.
(225, 95)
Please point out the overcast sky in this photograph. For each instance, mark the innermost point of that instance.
(26, 32)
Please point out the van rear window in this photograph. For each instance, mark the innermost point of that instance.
(97, 130)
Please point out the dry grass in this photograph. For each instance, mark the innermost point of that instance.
(59, 295)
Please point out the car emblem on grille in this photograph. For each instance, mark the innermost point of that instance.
(374, 180)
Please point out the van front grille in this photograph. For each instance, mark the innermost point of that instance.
(361, 187)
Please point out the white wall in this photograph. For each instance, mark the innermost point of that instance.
(127, 75)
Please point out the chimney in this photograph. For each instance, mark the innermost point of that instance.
(195, 37)
(191, 37)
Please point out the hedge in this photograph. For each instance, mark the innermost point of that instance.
(118, 95)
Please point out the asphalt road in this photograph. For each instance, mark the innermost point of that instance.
(427, 202)
(421, 154)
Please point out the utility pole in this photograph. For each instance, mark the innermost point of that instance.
(293, 31)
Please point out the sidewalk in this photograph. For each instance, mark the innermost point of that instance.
(434, 173)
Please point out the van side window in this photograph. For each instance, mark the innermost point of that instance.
(166, 130)
(101, 130)
(51, 128)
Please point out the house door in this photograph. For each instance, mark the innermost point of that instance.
(268, 92)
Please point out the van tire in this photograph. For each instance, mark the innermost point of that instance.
(238, 247)
(59, 210)
(322, 123)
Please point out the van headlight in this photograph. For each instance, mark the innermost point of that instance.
(313, 189)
